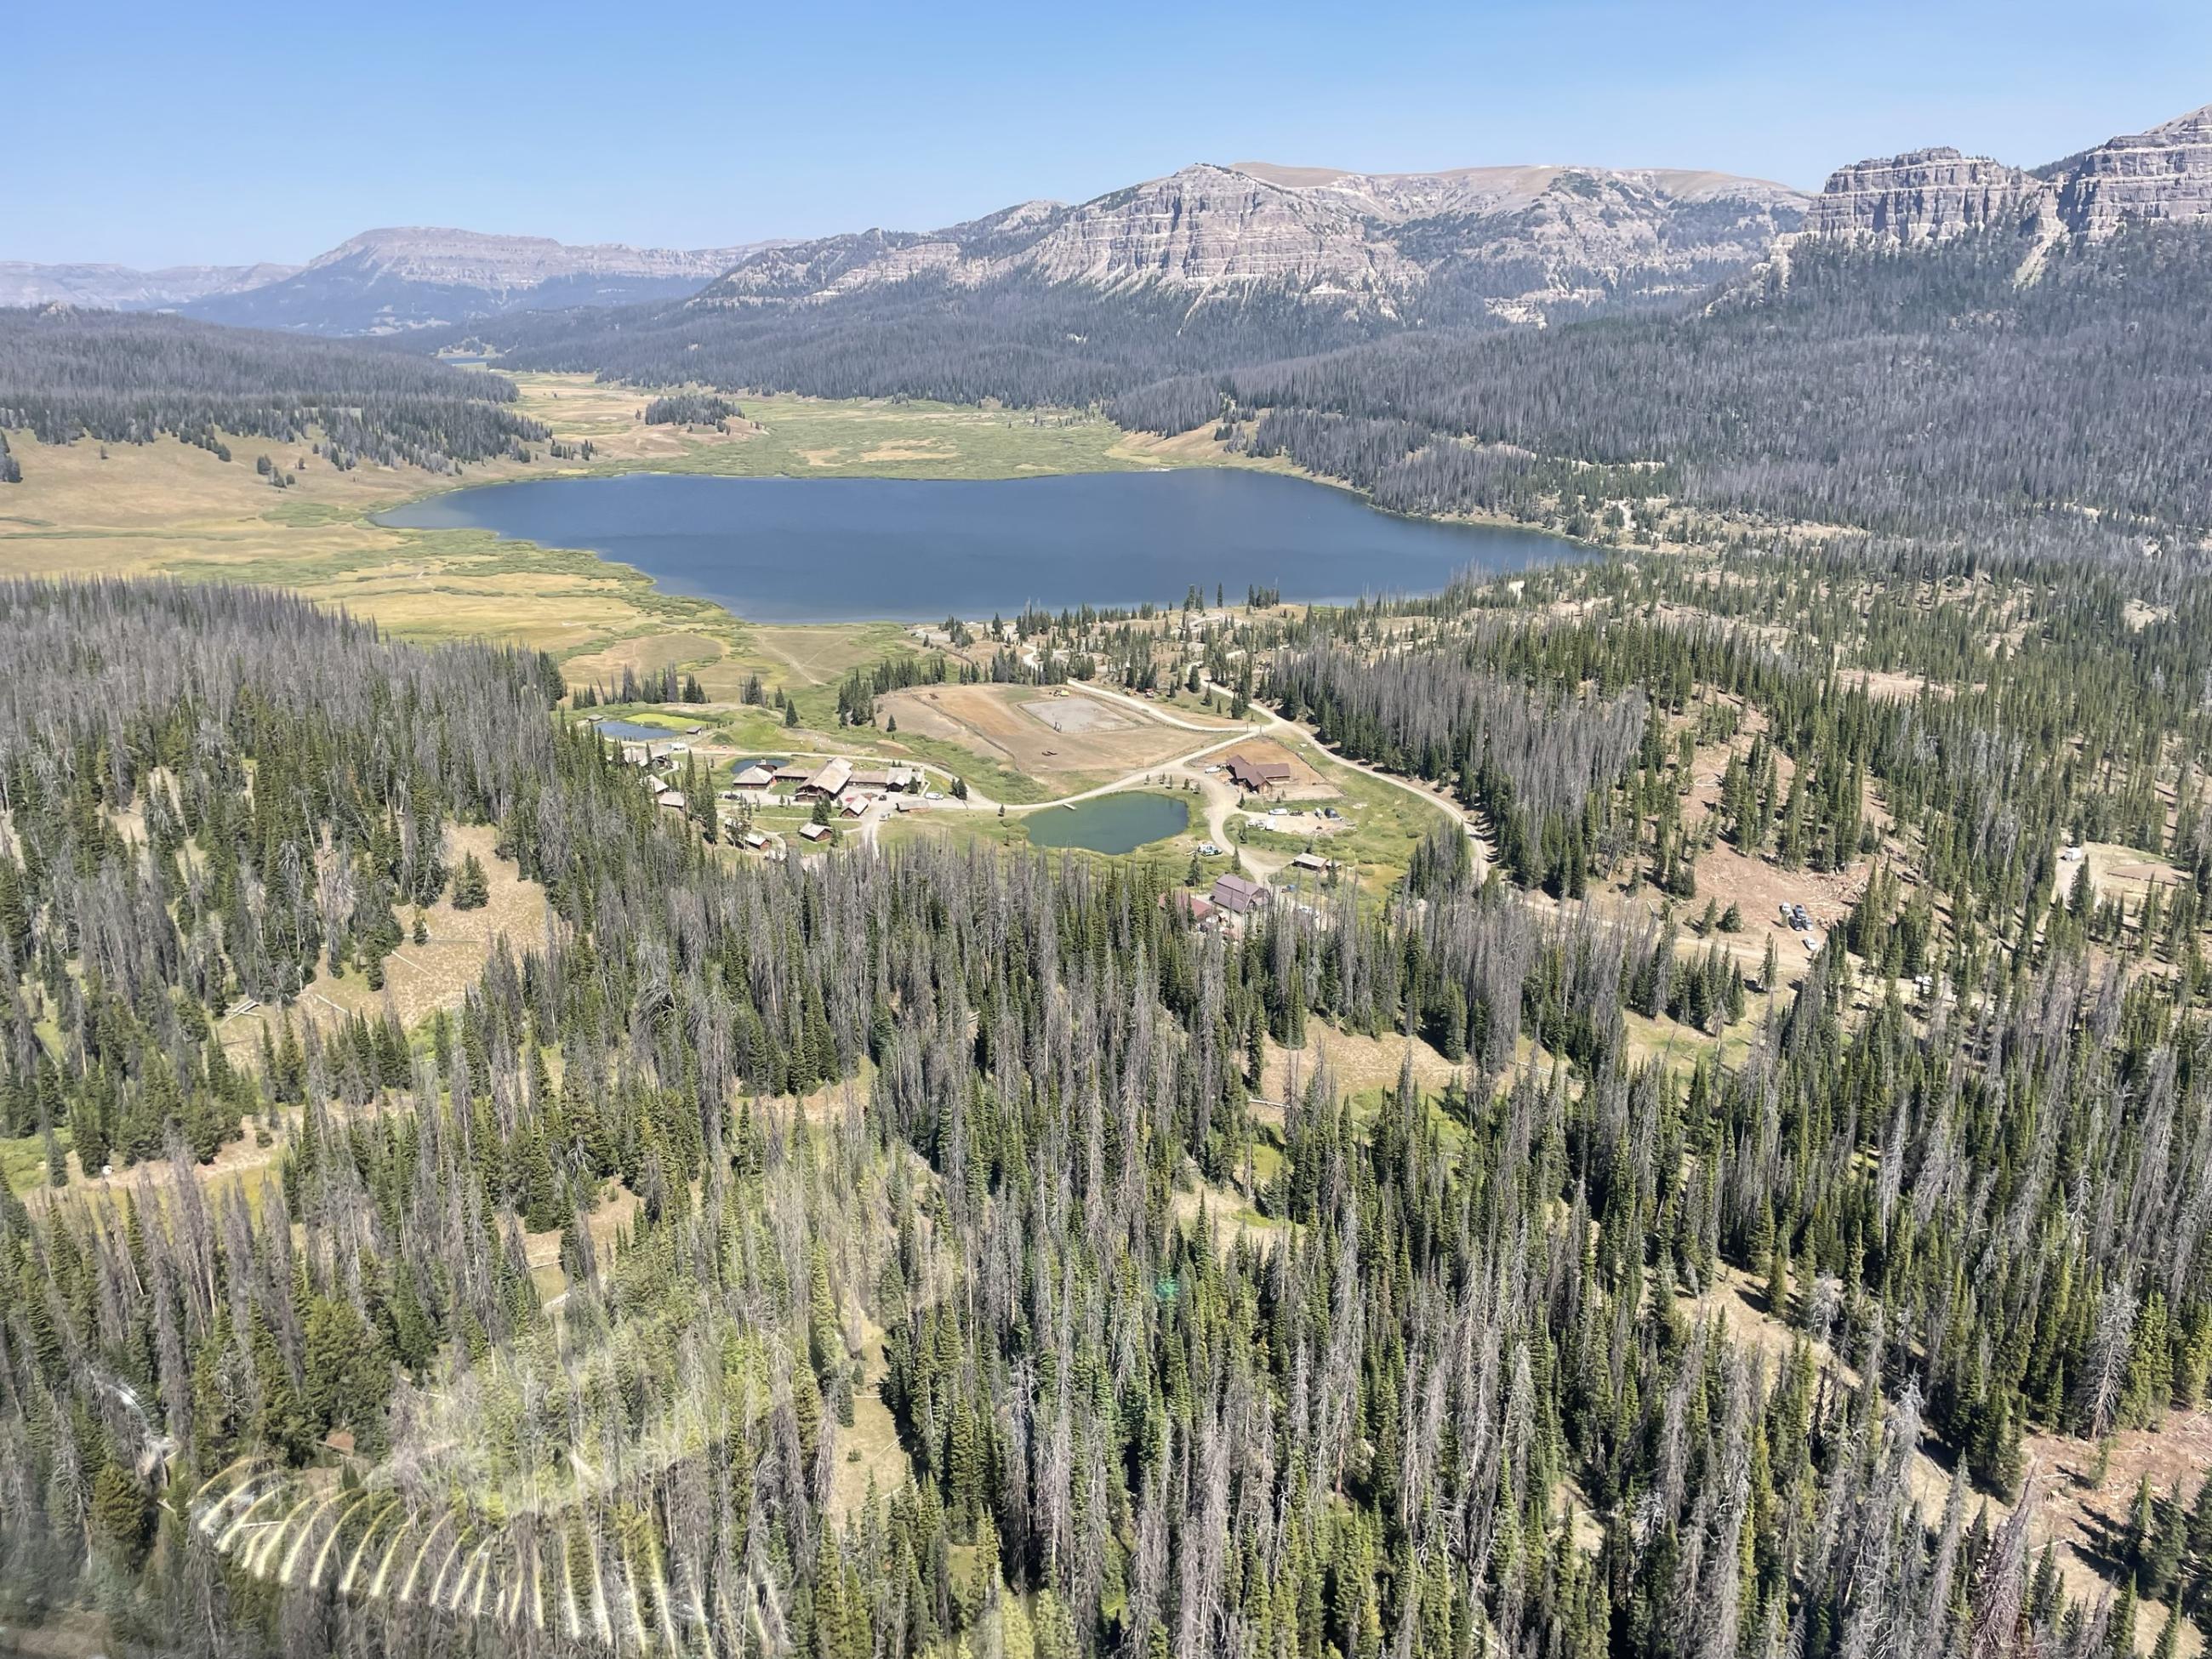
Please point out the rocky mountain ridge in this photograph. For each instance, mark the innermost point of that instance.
(495, 263)
(1512, 242)
(1319, 254)
(406, 278)
(2164, 175)
(385, 280)
(121, 288)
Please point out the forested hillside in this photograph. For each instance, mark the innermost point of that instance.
(853, 1255)
(1012, 340)
(1927, 391)
(126, 377)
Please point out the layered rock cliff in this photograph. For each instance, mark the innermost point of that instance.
(1925, 195)
(1518, 242)
(2162, 174)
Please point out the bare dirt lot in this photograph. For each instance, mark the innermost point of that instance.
(1073, 714)
(1297, 823)
(1305, 783)
(1759, 887)
(1067, 744)
(2116, 871)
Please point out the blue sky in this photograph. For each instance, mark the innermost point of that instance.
(154, 135)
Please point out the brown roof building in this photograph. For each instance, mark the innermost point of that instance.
(829, 781)
(1257, 775)
(1238, 894)
(1196, 906)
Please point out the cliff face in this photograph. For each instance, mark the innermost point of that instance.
(1209, 227)
(1925, 195)
(2164, 174)
(1513, 241)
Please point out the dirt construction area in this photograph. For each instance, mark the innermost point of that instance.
(1297, 823)
(1303, 783)
(1064, 742)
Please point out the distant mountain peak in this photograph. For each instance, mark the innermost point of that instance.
(401, 277)
(120, 288)
(521, 259)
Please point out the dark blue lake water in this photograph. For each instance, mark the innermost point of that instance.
(836, 550)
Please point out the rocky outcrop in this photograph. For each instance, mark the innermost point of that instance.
(2162, 174)
(1927, 194)
(1516, 242)
(1207, 228)
(119, 287)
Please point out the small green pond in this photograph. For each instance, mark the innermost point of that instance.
(635, 731)
(1110, 824)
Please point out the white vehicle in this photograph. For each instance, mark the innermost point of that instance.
(932, 794)
(1211, 770)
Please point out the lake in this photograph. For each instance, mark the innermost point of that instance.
(1110, 823)
(843, 549)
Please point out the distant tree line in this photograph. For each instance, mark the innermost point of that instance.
(691, 408)
(1016, 341)
(130, 377)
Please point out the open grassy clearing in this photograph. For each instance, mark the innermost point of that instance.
(1353, 1064)
(23, 1161)
(1380, 827)
(420, 979)
(809, 437)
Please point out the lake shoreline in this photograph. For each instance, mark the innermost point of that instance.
(796, 551)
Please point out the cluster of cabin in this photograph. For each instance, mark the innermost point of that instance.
(1234, 895)
(851, 788)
